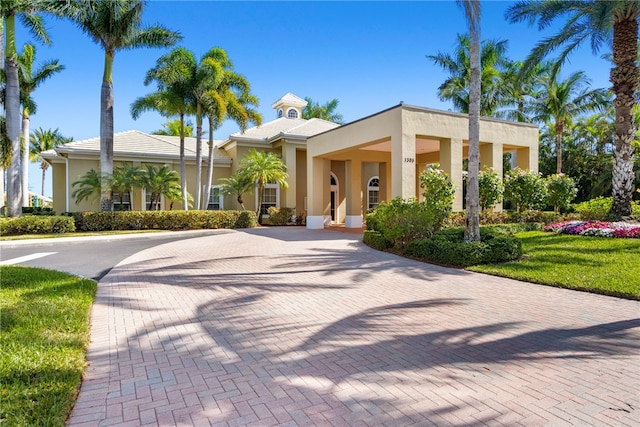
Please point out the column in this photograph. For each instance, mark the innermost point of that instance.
(318, 172)
(384, 173)
(289, 159)
(353, 187)
(451, 163)
(403, 165)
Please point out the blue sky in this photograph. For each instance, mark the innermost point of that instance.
(368, 55)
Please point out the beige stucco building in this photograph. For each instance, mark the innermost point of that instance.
(336, 173)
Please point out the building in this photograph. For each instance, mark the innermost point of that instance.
(336, 172)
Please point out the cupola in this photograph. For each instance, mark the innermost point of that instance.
(289, 106)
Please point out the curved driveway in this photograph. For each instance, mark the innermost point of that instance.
(286, 326)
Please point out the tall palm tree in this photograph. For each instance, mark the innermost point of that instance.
(115, 25)
(518, 86)
(172, 74)
(159, 181)
(30, 79)
(42, 140)
(600, 22)
(456, 87)
(472, 12)
(262, 168)
(26, 11)
(236, 185)
(233, 101)
(559, 102)
(327, 111)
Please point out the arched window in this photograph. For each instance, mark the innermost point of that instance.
(280, 112)
(292, 113)
(373, 192)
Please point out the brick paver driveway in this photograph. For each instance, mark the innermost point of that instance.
(284, 326)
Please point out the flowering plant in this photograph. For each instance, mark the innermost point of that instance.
(596, 228)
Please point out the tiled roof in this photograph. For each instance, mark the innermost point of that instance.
(290, 99)
(285, 126)
(140, 144)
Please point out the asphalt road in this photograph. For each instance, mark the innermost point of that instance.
(91, 257)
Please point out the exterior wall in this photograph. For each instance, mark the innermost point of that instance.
(301, 181)
(77, 168)
(59, 177)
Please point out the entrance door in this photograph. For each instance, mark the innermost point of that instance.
(334, 199)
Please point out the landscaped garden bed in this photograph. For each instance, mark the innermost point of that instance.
(596, 228)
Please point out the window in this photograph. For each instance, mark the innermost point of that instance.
(215, 199)
(292, 113)
(373, 192)
(270, 197)
(123, 204)
(279, 112)
(157, 204)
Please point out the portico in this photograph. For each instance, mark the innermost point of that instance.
(394, 146)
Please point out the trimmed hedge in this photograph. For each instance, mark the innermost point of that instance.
(447, 247)
(36, 224)
(280, 216)
(163, 220)
(376, 240)
(457, 219)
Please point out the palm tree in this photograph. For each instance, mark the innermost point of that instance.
(518, 86)
(559, 102)
(26, 10)
(236, 185)
(173, 75)
(89, 186)
(233, 100)
(262, 168)
(472, 14)
(325, 112)
(599, 21)
(456, 87)
(172, 128)
(159, 181)
(43, 140)
(115, 25)
(29, 82)
(122, 181)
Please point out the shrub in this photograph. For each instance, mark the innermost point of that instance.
(438, 194)
(375, 240)
(163, 220)
(401, 221)
(527, 190)
(491, 188)
(280, 216)
(36, 224)
(598, 209)
(448, 247)
(561, 190)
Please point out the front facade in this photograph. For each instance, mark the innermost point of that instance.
(336, 173)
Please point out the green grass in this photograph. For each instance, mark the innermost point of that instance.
(44, 319)
(594, 264)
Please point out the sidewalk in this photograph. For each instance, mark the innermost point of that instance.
(287, 326)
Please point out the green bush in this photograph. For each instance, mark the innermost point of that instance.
(30, 210)
(447, 247)
(280, 216)
(438, 194)
(400, 221)
(598, 209)
(375, 240)
(163, 220)
(36, 224)
(490, 188)
(527, 190)
(561, 190)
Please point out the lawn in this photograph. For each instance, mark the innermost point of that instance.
(596, 264)
(44, 337)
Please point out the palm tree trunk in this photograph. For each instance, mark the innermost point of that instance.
(625, 78)
(25, 158)
(559, 131)
(207, 189)
(12, 105)
(183, 169)
(472, 229)
(43, 166)
(198, 190)
(106, 132)
(260, 195)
